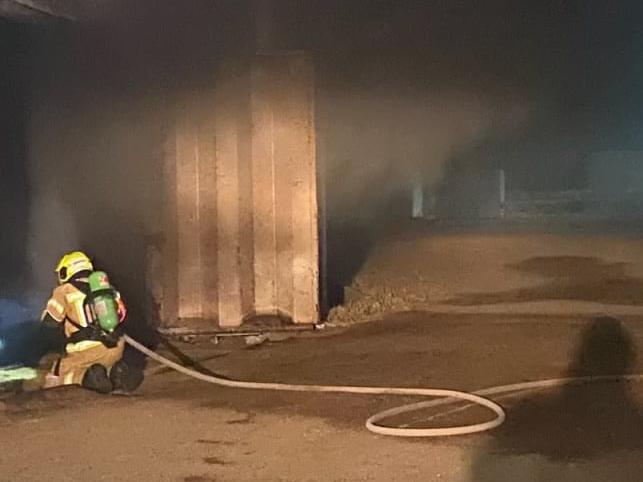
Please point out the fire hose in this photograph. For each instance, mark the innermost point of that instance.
(444, 396)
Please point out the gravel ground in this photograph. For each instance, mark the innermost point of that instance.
(425, 270)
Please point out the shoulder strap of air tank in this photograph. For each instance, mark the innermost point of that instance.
(73, 323)
(81, 286)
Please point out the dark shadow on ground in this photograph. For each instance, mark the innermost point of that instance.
(184, 359)
(567, 278)
(554, 433)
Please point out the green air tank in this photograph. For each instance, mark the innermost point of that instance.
(102, 301)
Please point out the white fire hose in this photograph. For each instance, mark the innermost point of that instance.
(445, 396)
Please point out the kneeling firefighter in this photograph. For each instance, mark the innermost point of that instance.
(89, 312)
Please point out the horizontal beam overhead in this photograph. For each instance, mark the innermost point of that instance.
(30, 11)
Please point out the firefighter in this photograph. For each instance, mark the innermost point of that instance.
(92, 357)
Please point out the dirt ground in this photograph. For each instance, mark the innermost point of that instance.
(184, 430)
(448, 270)
(179, 429)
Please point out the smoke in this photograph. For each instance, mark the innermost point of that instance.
(51, 226)
(52, 232)
(99, 108)
(101, 101)
(378, 143)
(94, 155)
(94, 171)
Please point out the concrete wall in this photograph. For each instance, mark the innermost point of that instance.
(240, 209)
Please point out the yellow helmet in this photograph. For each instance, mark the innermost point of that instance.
(71, 264)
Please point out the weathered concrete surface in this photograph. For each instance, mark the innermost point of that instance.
(241, 199)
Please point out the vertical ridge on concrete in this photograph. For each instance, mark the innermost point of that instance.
(285, 160)
(305, 209)
(208, 218)
(228, 206)
(187, 192)
(165, 293)
(246, 195)
(263, 190)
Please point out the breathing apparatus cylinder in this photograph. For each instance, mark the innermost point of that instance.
(102, 301)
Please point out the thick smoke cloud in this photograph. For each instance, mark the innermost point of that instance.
(378, 143)
(94, 171)
(102, 100)
(403, 89)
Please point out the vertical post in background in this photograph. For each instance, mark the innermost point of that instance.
(430, 205)
(417, 193)
(502, 193)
